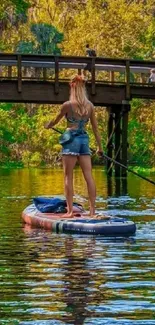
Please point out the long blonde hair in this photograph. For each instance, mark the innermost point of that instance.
(78, 94)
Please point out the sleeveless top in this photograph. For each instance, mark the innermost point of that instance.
(80, 122)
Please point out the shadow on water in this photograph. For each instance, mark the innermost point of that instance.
(57, 279)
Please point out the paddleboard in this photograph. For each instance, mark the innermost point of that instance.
(79, 224)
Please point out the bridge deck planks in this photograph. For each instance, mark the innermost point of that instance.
(44, 92)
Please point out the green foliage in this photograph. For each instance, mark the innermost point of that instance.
(30, 159)
(142, 133)
(13, 10)
(24, 139)
(6, 134)
(6, 106)
(20, 5)
(26, 47)
(46, 40)
(145, 171)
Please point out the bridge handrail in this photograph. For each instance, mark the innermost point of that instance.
(77, 59)
(75, 62)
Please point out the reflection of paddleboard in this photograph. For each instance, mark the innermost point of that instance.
(80, 224)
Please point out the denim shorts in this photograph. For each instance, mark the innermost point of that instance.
(79, 146)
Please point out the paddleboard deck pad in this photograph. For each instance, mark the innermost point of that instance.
(79, 224)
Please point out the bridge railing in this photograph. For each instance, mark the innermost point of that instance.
(57, 69)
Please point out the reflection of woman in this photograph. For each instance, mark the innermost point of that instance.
(78, 111)
(77, 279)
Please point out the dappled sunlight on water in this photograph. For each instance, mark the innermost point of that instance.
(57, 279)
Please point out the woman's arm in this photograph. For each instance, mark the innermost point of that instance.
(95, 130)
(61, 114)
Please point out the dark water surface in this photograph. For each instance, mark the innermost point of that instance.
(57, 279)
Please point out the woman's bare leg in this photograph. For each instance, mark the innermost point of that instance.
(86, 166)
(68, 165)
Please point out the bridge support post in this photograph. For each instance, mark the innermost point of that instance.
(110, 140)
(117, 144)
(125, 114)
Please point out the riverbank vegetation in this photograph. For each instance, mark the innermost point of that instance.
(123, 28)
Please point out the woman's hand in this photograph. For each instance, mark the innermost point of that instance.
(99, 152)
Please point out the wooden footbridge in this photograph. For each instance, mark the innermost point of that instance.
(112, 83)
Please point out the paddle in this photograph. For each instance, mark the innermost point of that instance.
(118, 163)
(128, 169)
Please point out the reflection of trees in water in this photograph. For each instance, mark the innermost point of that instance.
(117, 186)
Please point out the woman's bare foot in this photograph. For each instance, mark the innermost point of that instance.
(68, 215)
(95, 216)
(99, 216)
(92, 213)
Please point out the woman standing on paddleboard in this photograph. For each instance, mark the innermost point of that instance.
(75, 141)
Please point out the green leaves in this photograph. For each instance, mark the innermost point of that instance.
(26, 47)
(46, 40)
(20, 5)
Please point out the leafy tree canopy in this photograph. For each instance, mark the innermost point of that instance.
(46, 38)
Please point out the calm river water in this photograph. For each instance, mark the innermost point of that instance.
(57, 279)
